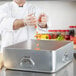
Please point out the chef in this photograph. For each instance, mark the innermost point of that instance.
(15, 18)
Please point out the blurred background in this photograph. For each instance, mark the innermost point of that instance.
(62, 14)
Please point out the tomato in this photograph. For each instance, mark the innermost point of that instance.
(49, 36)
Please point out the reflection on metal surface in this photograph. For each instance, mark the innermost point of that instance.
(3, 72)
(29, 43)
(66, 71)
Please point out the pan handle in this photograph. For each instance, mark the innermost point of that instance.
(26, 59)
(66, 57)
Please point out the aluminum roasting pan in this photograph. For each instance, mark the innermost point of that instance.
(38, 56)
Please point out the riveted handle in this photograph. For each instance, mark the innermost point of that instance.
(26, 59)
(66, 57)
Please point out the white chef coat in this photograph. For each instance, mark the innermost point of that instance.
(8, 13)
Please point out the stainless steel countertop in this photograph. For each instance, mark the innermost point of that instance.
(68, 70)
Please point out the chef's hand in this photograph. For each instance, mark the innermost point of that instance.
(30, 20)
(1, 60)
(18, 23)
(42, 20)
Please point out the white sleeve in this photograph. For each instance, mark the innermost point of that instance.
(6, 22)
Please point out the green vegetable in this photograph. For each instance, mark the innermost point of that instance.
(60, 37)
